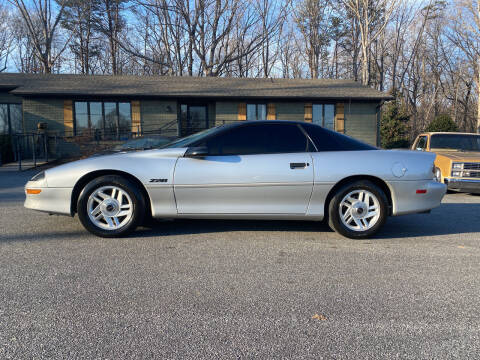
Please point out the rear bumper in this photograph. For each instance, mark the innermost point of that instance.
(406, 200)
(463, 185)
(50, 200)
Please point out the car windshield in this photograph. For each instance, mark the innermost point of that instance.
(190, 139)
(461, 142)
(142, 143)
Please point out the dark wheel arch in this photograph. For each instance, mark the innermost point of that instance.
(351, 179)
(84, 180)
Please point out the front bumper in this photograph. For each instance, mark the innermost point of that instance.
(463, 185)
(406, 200)
(50, 200)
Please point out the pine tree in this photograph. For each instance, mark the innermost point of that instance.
(393, 127)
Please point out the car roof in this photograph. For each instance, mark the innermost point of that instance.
(252, 122)
(448, 133)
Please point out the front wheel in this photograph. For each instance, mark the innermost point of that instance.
(111, 206)
(358, 210)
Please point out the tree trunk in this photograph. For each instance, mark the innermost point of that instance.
(478, 99)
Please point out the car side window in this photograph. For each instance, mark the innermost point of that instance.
(421, 143)
(259, 139)
(329, 140)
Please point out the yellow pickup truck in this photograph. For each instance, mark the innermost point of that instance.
(458, 158)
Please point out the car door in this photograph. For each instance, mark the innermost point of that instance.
(251, 169)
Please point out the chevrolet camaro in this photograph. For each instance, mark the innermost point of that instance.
(244, 170)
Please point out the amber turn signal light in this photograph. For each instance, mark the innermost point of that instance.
(33, 191)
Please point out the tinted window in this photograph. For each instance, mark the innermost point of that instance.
(327, 140)
(258, 139)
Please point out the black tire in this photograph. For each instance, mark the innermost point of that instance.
(136, 196)
(334, 220)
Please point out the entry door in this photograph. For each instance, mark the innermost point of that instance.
(233, 180)
(194, 118)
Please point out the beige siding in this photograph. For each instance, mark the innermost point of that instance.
(49, 111)
(361, 121)
(159, 115)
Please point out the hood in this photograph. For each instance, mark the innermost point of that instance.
(141, 164)
(150, 153)
(460, 156)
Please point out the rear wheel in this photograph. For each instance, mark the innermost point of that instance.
(358, 210)
(111, 206)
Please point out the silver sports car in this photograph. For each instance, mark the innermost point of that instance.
(244, 170)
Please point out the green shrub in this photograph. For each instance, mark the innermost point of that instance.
(442, 123)
(393, 127)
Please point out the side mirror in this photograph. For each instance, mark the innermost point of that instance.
(198, 151)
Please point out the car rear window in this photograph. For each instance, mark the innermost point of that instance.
(328, 140)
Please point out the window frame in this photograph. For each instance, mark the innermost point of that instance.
(102, 102)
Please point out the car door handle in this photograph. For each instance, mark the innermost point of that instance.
(298, 165)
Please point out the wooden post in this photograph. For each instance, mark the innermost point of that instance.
(68, 117)
(136, 118)
(308, 112)
(340, 118)
(242, 111)
(271, 113)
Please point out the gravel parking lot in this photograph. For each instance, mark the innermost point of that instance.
(239, 289)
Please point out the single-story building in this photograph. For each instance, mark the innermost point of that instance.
(112, 106)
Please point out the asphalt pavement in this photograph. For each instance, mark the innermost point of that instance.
(239, 289)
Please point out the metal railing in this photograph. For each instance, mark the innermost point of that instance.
(33, 148)
(37, 148)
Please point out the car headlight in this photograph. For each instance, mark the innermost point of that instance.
(457, 166)
(39, 176)
(457, 173)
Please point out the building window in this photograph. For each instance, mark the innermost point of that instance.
(256, 111)
(11, 119)
(324, 115)
(108, 120)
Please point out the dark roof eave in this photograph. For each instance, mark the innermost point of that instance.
(176, 96)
